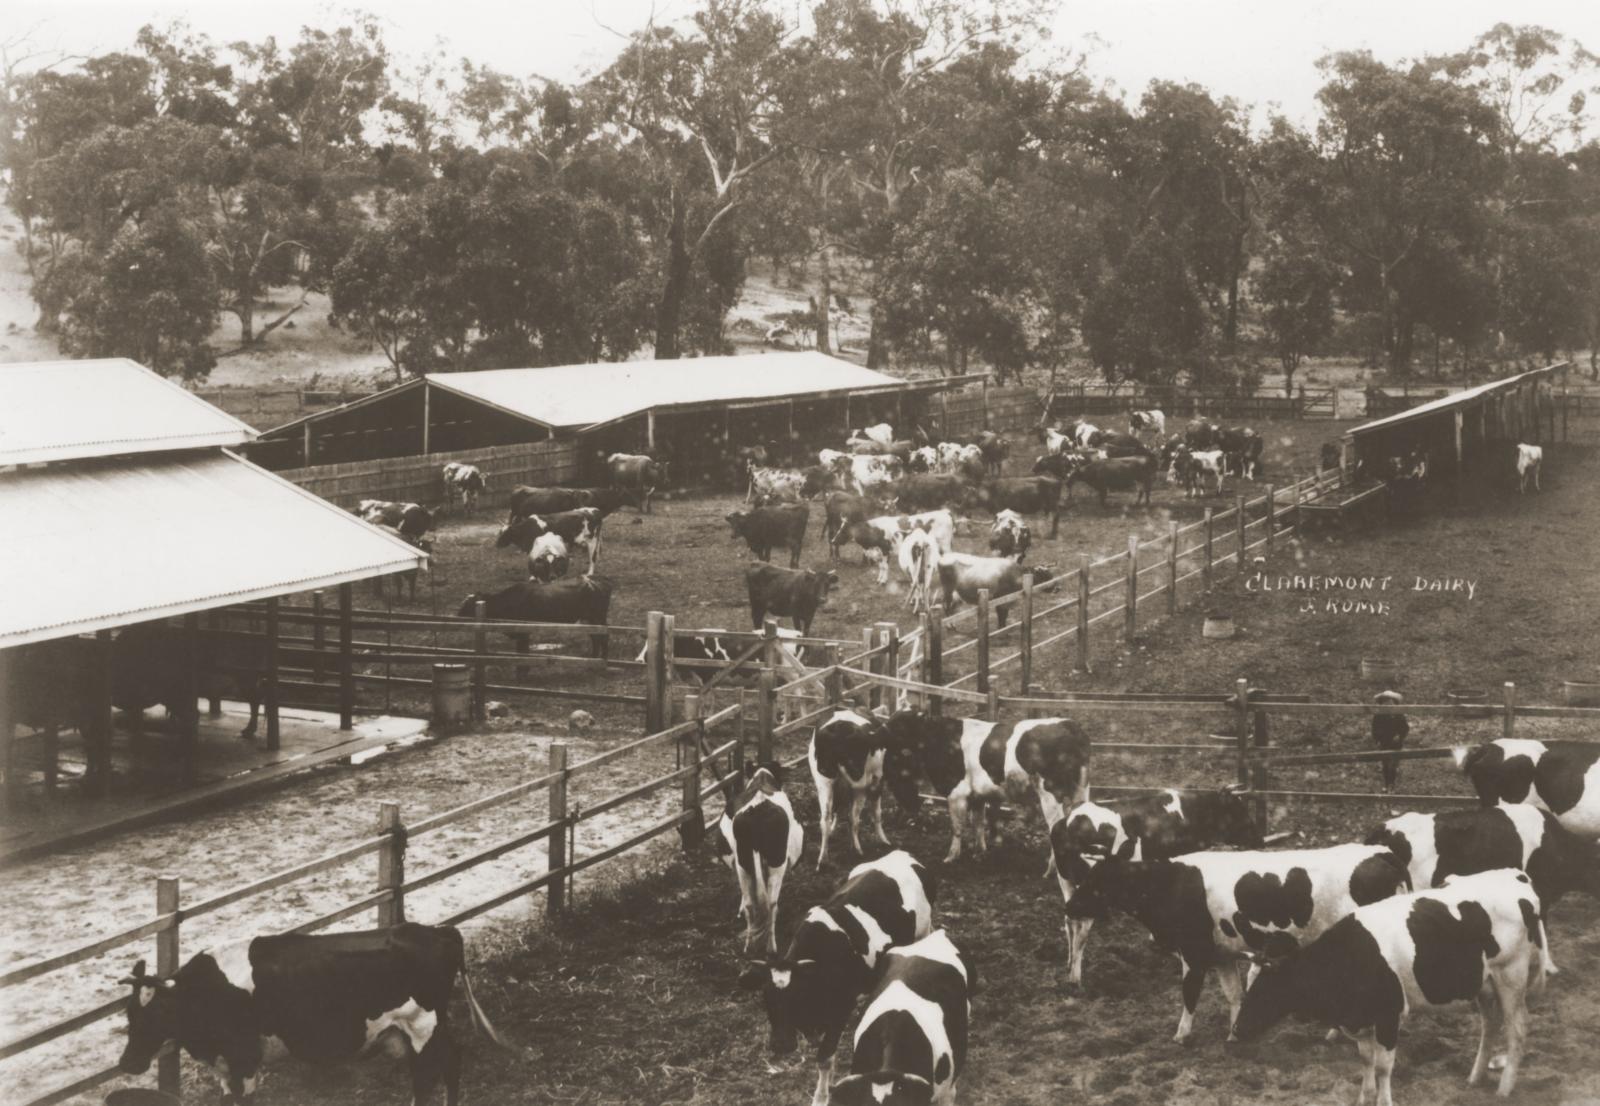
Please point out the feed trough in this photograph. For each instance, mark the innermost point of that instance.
(1380, 671)
(1474, 697)
(1217, 627)
(1580, 693)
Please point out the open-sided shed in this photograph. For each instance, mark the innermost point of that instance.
(125, 506)
(1468, 433)
(679, 405)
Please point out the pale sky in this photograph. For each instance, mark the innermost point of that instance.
(1260, 52)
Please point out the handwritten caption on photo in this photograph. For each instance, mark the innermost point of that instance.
(1357, 594)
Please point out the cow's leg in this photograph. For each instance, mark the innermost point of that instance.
(794, 556)
(1490, 1019)
(1055, 518)
(825, 1054)
(958, 819)
(1194, 980)
(1512, 995)
(981, 823)
(825, 814)
(877, 816)
(439, 1061)
(254, 688)
(858, 800)
(1077, 939)
(1228, 974)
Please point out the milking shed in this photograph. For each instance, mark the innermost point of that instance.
(1470, 433)
(679, 406)
(125, 505)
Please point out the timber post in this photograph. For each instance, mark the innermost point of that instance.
(556, 844)
(1025, 618)
(983, 640)
(1241, 696)
(765, 711)
(1205, 567)
(692, 831)
(318, 635)
(1172, 568)
(889, 640)
(391, 864)
(167, 958)
(190, 723)
(652, 673)
(1239, 527)
(1508, 721)
(480, 667)
(269, 698)
(1130, 602)
(1272, 517)
(1083, 615)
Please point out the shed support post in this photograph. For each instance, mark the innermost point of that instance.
(933, 648)
(480, 668)
(764, 714)
(1241, 695)
(556, 844)
(692, 831)
(305, 448)
(318, 635)
(650, 428)
(167, 957)
(833, 682)
(213, 702)
(347, 681)
(924, 662)
(889, 638)
(269, 697)
(97, 774)
(427, 418)
(8, 757)
(190, 719)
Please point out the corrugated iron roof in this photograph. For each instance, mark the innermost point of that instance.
(69, 410)
(582, 395)
(1454, 399)
(103, 543)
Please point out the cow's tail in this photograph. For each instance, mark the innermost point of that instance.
(479, 1018)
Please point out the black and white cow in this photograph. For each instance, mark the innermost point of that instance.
(1242, 449)
(1010, 536)
(1148, 422)
(796, 593)
(962, 575)
(760, 838)
(711, 645)
(911, 1042)
(882, 537)
(1028, 495)
(1218, 909)
(835, 954)
(1479, 937)
(766, 528)
(1151, 827)
(874, 475)
(328, 997)
(1510, 835)
(841, 511)
(579, 529)
(1191, 469)
(1389, 732)
(465, 481)
(995, 450)
(548, 559)
(775, 484)
(973, 763)
(1562, 777)
(1530, 459)
(846, 758)
(411, 519)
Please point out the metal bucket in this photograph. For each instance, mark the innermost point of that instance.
(452, 696)
(1383, 672)
(1580, 693)
(1217, 627)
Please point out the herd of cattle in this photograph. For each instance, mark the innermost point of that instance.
(1430, 910)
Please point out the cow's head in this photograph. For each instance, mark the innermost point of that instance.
(818, 583)
(796, 995)
(737, 520)
(902, 763)
(882, 1088)
(1114, 884)
(1275, 992)
(1237, 826)
(469, 605)
(152, 1019)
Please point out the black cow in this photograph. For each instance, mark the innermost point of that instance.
(1202, 434)
(1330, 457)
(1435, 847)
(150, 666)
(766, 528)
(964, 575)
(1219, 909)
(638, 474)
(1242, 449)
(1116, 474)
(329, 997)
(1557, 776)
(819, 479)
(843, 510)
(835, 955)
(585, 601)
(1151, 827)
(1027, 495)
(1115, 444)
(1479, 938)
(604, 500)
(911, 1045)
(786, 591)
(527, 500)
(931, 491)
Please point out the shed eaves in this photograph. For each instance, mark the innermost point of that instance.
(1455, 399)
(110, 542)
(70, 410)
(582, 395)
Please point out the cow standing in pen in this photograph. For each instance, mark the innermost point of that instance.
(760, 838)
(846, 755)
